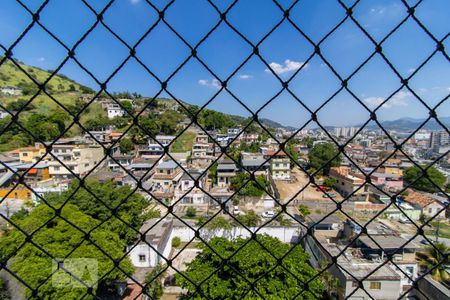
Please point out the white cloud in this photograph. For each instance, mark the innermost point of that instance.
(399, 99)
(135, 1)
(210, 83)
(245, 76)
(41, 59)
(288, 66)
(411, 70)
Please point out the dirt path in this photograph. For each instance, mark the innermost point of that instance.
(300, 180)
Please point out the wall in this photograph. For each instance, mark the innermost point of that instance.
(285, 234)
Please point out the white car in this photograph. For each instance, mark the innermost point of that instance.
(268, 214)
(236, 210)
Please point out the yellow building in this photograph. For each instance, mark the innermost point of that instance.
(20, 192)
(28, 154)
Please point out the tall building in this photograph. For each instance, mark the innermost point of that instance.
(439, 138)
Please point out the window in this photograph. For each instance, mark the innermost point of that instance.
(354, 284)
(56, 168)
(25, 154)
(375, 285)
(430, 210)
(141, 258)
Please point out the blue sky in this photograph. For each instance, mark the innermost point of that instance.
(285, 50)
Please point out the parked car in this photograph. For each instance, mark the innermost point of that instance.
(332, 195)
(404, 220)
(236, 210)
(323, 188)
(268, 214)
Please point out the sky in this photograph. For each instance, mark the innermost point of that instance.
(285, 51)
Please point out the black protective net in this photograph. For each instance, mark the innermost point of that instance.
(335, 274)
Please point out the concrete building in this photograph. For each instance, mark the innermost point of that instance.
(186, 192)
(280, 165)
(10, 91)
(346, 181)
(428, 205)
(439, 138)
(226, 169)
(164, 180)
(157, 235)
(77, 159)
(114, 110)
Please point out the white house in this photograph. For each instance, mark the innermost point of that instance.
(157, 241)
(188, 192)
(11, 91)
(114, 110)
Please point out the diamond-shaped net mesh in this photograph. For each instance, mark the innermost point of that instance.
(140, 213)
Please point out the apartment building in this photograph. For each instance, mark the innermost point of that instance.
(280, 165)
(74, 159)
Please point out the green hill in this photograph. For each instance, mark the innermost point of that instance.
(11, 75)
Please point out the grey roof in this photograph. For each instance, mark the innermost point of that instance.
(156, 232)
(168, 164)
(317, 219)
(254, 162)
(231, 167)
(194, 174)
(386, 242)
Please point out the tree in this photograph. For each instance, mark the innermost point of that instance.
(332, 285)
(126, 145)
(129, 206)
(431, 256)
(320, 156)
(304, 211)
(4, 293)
(330, 182)
(423, 183)
(250, 219)
(191, 212)
(251, 188)
(153, 285)
(176, 242)
(168, 121)
(60, 239)
(252, 262)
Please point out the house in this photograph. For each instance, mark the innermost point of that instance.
(73, 159)
(118, 162)
(380, 281)
(163, 140)
(388, 181)
(429, 206)
(151, 151)
(233, 132)
(165, 179)
(114, 110)
(346, 181)
(156, 236)
(280, 165)
(364, 256)
(226, 169)
(29, 154)
(3, 114)
(10, 91)
(187, 193)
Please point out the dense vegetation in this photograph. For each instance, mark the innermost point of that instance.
(321, 156)
(59, 237)
(252, 262)
(251, 188)
(423, 183)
